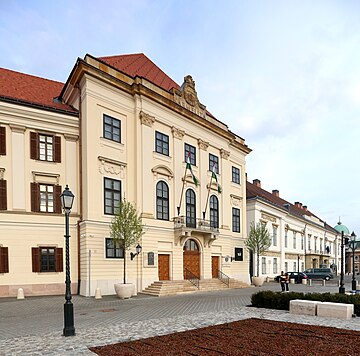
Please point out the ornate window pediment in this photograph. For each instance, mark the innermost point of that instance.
(162, 170)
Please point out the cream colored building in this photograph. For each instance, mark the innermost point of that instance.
(125, 130)
(300, 240)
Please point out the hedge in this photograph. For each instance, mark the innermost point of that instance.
(281, 301)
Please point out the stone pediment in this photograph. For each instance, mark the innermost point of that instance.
(187, 97)
(162, 170)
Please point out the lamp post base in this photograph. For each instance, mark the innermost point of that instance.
(69, 329)
(342, 290)
(353, 284)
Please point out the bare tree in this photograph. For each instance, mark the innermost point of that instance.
(126, 228)
(258, 242)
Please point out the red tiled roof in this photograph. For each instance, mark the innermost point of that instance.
(139, 65)
(31, 90)
(253, 191)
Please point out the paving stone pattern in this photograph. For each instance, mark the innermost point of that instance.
(34, 326)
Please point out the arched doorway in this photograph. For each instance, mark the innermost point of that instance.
(191, 253)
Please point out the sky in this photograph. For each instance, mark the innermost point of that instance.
(283, 75)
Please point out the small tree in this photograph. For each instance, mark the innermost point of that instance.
(126, 228)
(258, 242)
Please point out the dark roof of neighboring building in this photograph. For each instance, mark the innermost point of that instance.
(255, 191)
(31, 90)
(139, 65)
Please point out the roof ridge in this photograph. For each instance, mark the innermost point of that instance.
(31, 75)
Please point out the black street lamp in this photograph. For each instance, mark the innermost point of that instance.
(138, 250)
(352, 245)
(67, 199)
(342, 288)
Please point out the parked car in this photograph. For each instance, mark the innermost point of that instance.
(294, 275)
(319, 273)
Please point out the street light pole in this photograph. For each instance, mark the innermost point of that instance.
(342, 288)
(298, 274)
(67, 198)
(353, 283)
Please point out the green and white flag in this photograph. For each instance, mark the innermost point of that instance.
(188, 166)
(214, 176)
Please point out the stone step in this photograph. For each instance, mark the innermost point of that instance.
(162, 288)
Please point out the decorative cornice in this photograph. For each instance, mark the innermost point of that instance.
(111, 166)
(17, 128)
(235, 200)
(71, 137)
(44, 177)
(177, 133)
(203, 145)
(224, 154)
(268, 217)
(146, 119)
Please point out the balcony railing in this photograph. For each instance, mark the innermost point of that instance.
(192, 223)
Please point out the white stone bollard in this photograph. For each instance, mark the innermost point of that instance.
(98, 293)
(304, 281)
(20, 294)
(309, 281)
(323, 282)
(292, 280)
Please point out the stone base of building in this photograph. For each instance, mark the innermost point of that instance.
(31, 290)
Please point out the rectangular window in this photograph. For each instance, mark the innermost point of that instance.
(112, 195)
(302, 266)
(275, 268)
(302, 241)
(294, 267)
(113, 250)
(274, 235)
(235, 175)
(47, 259)
(3, 194)
(161, 143)
(2, 141)
(4, 260)
(309, 242)
(45, 198)
(190, 153)
(235, 220)
(286, 238)
(294, 240)
(263, 265)
(45, 147)
(112, 128)
(286, 267)
(213, 161)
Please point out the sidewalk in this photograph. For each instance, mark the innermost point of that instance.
(34, 326)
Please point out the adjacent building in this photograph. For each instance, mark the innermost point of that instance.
(118, 128)
(299, 239)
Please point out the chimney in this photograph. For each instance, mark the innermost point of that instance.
(257, 182)
(297, 204)
(300, 205)
(305, 207)
(276, 192)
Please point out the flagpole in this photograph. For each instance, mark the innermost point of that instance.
(207, 199)
(182, 191)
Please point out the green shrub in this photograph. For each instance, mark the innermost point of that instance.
(281, 301)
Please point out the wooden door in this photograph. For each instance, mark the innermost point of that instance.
(191, 258)
(215, 266)
(164, 267)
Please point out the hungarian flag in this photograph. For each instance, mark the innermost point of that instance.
(188, 166)
(214, 176)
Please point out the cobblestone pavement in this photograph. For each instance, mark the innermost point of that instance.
(34, 326)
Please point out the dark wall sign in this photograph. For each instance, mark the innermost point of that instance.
(239, 256)
(151, 259)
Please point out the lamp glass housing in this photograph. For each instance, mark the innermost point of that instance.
(138, 249)
(67, 199)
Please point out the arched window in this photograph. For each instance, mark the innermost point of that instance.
(214, 211)
(162, 201)
(190, 208)
(191, 245)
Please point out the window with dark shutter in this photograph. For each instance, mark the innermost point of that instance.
(4, 260)
(57, 202)
(3, 195)
(59, 260)
(57, 153)
(35, 197)
(35, 254)
(2, 141)
(34, 145)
